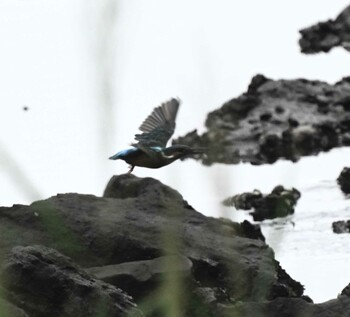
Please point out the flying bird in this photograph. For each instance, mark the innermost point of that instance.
(150, 151)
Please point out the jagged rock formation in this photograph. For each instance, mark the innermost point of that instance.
(293, 307)
(277, 119)
(279, 203)
(46, 283)
(137, 221)
(344, 180)
(143, 240)
(323, 36)
(341, 226)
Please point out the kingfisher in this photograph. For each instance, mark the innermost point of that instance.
(150, 151)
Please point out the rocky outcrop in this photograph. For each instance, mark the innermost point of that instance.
(152, 250)
(8, 309)
(45, 283)
(123, 238)
(323, 36)
(279, 203)
(346, 291)
(276, 119)
(138, 277)
(288, 307)
(341, 226)
(344, 180)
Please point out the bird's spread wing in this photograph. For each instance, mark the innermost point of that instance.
(158, 127)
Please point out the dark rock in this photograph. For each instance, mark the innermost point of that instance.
(127, 186)
(7, 309)
(289, 307)
(346, 291)
(139, 277)
(279, 109)
(265, 116)
(252, 231)
(244, 229)
(256, 82)
(142, 220)
(341, 226)
(279, 203)
(293, 123)
(270, 147)
(323, 36)
(344, 180)
(207, 299)
(280, 289)
(45, 283)
(212, 295)
(244, 201)
(209, 267)
(276, 119)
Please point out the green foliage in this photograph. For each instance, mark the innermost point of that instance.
(61, 236)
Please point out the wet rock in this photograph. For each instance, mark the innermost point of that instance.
(279, 203)
(126, 238)
(7, 309)
(211, 295)
(287, 307)
(127, 186)
(323, 36)
(280, 289)
(344, 180)
(252, 231)
(45, 283)
(142, 220)
(276, 119)
(244, 229)
(208, 299)
(139, 277)
(346, 291)
(244, 201)
(341, 226)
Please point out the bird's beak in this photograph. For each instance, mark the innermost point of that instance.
(199, 150)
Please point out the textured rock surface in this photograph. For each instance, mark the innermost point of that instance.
(323, 36)
(252, 231)
(279, 203)
(346, 291)
(212, 267)
(7, 309)
(277, 119)
(341, 226)
(45, 283)
(339, 307)
(344, 180)
(139, 277)
(141, 220)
